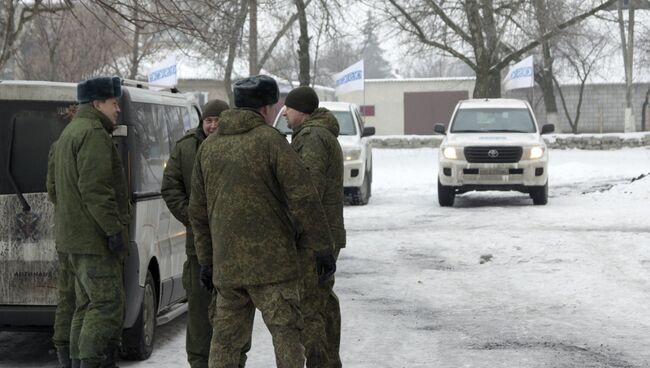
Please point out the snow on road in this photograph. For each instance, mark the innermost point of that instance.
(492, 282)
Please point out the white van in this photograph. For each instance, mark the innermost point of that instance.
(493, 144)
(33, 114)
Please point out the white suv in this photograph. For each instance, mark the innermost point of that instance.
(493, 144)
(357, 152)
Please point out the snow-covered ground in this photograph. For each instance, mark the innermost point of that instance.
(492, 282)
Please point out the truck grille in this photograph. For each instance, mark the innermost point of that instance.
(493, 154)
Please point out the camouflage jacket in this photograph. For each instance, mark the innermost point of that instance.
(253, 205)
(177, 181)
(316, 144)
(87, 185)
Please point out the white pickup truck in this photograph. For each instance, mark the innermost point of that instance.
(493, 144)
(357, 152)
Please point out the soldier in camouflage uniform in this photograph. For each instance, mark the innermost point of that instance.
(64, 284)
(252, 207)
(91, 220)
(176, 189)
(314, 139)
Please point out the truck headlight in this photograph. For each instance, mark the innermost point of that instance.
(450, 153)
(536, 152)
(351, 154)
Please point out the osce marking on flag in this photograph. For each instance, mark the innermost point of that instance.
(162, 73)
(352, 76)
(521, 72)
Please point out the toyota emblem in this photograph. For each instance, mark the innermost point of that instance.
(493, 153)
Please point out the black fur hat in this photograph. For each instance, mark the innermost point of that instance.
(100, 88)
(256, 91)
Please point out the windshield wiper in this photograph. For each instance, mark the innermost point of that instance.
(21, 197)
(489, 131)
(508, 131)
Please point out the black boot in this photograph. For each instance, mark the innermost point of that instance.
(111, 355)
(63, 354)
(89, 364)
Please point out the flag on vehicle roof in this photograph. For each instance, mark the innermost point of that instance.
(350, 79)
(520, 75)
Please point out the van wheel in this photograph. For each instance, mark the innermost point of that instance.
(361, 195)
(446, 195)
(137, 341)
(539, 194)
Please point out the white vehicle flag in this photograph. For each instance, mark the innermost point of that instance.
(520, 75)
(351, 79)
(164, 74)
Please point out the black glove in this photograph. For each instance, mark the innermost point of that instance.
(325, 266)
(205, 277)
(116, 243)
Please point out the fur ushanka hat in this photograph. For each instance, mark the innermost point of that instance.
(256, 91)
(100, 88)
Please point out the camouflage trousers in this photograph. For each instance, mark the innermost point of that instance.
(233, 323)
(65, 302)
(199, 329)
(99, 313)
(320, 306)
(313, 300)
(332, 326)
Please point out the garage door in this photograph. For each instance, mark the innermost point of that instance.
(422, 110)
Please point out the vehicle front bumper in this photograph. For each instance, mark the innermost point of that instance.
(354, 172)
(458, 173)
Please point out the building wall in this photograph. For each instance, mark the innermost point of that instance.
(212, 88)
(602, 110)
(387, 96)
(602, 105)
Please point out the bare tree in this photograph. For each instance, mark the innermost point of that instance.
(252, 39)
(233, 42)
(543, 16)
(15, 15)
(581, 54)
(475, 31)
(304, 76)
(63, 47)
(627, 47)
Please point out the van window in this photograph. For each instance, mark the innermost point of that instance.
(36, 124)
(175, 119)
(157, 128)
(151, 150)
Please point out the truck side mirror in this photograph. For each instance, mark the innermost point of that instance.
(440, 129)
(368, 131)
(548, 128)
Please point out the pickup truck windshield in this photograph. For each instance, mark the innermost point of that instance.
(493, 121)
(35, 126)
(346, 123)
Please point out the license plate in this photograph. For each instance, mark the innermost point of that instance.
(494, 171)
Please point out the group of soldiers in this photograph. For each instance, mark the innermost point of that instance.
(264, 225)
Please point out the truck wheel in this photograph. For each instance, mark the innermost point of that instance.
(361, 195)
(539, 194)
(446, 195)
(137, 341)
